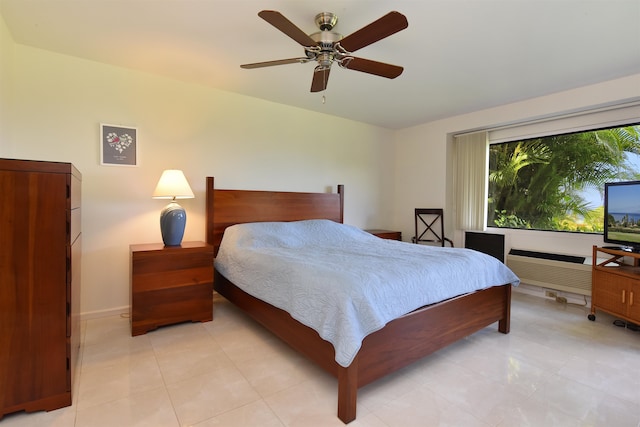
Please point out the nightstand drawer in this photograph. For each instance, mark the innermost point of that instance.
(161, 307)
(172, 279)
(160, 262)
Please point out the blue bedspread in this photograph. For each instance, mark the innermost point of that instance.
(344, 282)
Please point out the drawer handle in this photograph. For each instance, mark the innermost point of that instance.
(623, 295)
(630, 298)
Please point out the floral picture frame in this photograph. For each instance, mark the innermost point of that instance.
(118, 145)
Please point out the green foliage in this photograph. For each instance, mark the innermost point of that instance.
(504, 220)
(537, 183)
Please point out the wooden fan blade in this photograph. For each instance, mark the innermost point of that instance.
(277, 62)
(389, 24)
(289, 28)
(372, 67)
(320, 79)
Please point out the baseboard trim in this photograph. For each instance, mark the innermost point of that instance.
(98, 314)
(539, 291)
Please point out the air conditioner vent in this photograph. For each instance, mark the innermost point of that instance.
(551, 274)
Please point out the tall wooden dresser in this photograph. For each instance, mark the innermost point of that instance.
(40, 240)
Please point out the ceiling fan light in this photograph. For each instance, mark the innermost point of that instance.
(325, 59)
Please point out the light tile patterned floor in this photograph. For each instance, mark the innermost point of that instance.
(555, 368)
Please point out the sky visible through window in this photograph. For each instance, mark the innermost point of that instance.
(624, 199)
(595, 197)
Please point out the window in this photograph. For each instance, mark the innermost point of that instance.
(556, 182)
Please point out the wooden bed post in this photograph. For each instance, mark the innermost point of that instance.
(348, 391)
(210, 220)
(341, 193)
(504, 324)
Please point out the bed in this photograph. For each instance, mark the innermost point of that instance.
(400, 342)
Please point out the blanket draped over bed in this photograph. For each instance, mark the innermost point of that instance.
(344, 282)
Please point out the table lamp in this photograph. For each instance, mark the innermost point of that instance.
(172, 185)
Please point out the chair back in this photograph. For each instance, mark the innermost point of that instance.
(429, 226)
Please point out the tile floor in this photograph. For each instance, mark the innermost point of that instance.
(555, 368)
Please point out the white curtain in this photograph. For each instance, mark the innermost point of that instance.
(470, 180)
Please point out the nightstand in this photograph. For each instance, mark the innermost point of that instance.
(386, 234)
(170, 284)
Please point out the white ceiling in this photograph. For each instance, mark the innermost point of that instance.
(459, 55)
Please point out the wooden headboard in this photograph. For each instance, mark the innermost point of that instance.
(229, 207)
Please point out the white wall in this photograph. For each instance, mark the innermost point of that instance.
(59, 102)
(6, 59)
(423, 173)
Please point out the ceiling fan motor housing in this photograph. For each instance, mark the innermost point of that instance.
(325, 39)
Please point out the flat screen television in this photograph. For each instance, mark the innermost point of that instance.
(622, 214)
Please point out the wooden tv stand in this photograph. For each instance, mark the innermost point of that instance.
(616, 284)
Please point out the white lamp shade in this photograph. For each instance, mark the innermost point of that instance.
(173, 185)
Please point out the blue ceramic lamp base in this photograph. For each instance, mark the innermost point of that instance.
(173, 219)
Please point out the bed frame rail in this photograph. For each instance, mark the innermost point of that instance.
(423, 332)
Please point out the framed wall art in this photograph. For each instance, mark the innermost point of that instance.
(118, 145)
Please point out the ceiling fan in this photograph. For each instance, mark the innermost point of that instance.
(326, 46)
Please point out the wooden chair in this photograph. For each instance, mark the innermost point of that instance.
(430, 219)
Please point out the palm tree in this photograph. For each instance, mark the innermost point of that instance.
(537, 183)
